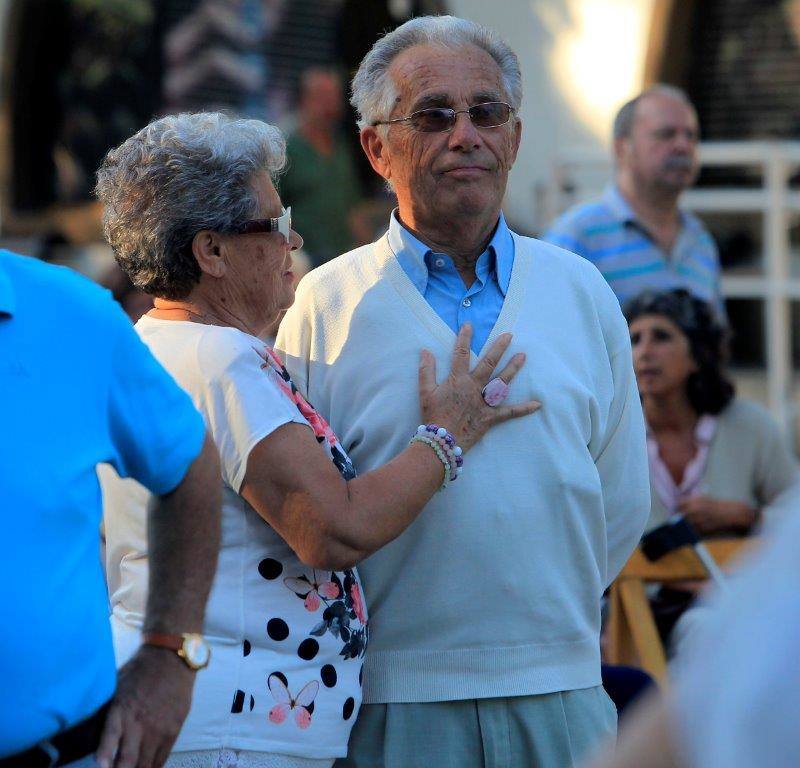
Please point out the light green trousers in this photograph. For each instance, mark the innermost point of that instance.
(556, 730)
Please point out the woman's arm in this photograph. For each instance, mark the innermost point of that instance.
(333, 523)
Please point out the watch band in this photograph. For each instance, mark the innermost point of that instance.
(161, 640)
(190, 647)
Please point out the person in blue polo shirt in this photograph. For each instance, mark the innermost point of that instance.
(77, 388)
(636, 234)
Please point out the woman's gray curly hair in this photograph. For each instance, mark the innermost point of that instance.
(374, 93)
(179, 175)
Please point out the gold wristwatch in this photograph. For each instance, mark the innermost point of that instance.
(191, 647)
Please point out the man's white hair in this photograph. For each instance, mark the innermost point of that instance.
(374, 92)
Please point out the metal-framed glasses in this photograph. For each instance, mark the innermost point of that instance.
(487, 114)
(282, 224)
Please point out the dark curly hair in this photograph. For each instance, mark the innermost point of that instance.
(708, 388)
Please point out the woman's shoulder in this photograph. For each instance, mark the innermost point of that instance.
(741, 409)
(210, 351)
(221, 348)
(745, 415)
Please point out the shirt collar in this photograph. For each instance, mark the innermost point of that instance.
(414, 254)
(705, 429)
(618, 205)
(8, 299)
(622, 211)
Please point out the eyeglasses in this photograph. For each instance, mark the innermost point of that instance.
(489, 114)
(282, 224)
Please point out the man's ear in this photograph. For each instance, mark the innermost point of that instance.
(620, 149)
(375, 149)
(207, 249)
(517, 138)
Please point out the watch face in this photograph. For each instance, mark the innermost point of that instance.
(196, 651)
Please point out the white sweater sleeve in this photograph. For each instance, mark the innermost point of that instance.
(621, 462)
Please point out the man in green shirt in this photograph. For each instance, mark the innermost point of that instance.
(321, 182)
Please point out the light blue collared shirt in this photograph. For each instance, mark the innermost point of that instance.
(436, 278)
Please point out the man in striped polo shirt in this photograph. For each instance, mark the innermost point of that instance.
(636, 234)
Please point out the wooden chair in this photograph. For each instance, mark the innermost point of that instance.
(634, 639)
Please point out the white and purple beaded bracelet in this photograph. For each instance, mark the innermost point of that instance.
(444, 444)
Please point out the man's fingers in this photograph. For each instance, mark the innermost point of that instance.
(130, 745)
(486, 365)
(427, 373)
(163, 753)
(461, 351)
(149, 748)
(109, 739)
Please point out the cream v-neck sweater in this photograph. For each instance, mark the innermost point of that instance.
(495, 589)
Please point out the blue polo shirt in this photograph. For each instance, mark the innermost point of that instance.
(607, 233)
(436, 278)
(77, 387)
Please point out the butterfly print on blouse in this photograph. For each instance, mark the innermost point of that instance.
(302, 704)
(310, 590)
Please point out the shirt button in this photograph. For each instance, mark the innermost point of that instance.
(439, 262)
(466, 303)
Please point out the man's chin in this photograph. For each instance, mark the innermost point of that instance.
(677, 181)
(466, 200)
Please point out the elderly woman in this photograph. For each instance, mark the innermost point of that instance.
(716, 459)
(194, 219)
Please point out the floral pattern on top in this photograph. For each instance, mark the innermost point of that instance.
(322, 430)
(344, 615)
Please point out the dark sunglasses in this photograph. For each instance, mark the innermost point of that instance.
(489, 114)
(282, 224)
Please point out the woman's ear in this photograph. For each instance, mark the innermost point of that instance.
(207, 249)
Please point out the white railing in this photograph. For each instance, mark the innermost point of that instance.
(579, 174)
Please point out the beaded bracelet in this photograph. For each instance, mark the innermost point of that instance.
(448, 443)
(446, 449)
(439, 452)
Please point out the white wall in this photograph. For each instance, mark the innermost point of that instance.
(580, 59)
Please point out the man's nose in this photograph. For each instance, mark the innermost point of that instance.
(464, 135)
(685, 142)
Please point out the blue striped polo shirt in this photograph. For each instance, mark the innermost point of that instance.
(607, 233)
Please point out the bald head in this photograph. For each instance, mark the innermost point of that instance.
(624, 119)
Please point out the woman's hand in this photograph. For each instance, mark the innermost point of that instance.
(457, 403)
(710, 515)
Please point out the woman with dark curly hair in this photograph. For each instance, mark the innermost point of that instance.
(718, 460)
(715, 458)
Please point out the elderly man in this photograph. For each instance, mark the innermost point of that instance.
(485, 612)
(636, 234)
(77, 388)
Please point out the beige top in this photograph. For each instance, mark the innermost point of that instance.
(748, 461)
